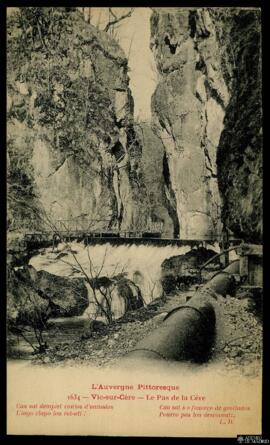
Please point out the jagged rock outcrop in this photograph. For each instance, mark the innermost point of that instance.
(31, 291)
(239, 155)
(25, 306)
(182, 270)
(161, 208)
(41, 290)
(70, 124)
(66, 296)
(114, 296)
(207, 105)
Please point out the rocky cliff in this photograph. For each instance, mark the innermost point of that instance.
(161, 208)
(72, 149)
(207, 112)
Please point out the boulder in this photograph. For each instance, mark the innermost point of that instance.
(121, 293)
(25, 306)
(95, 328)
(182, 270)
(67, 296)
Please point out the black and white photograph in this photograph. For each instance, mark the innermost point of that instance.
(134, 219)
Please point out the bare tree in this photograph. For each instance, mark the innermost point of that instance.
(152, 291)
(114, 19)
(31, 321)
(100, 282)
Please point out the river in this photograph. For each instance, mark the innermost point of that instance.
(141, 263)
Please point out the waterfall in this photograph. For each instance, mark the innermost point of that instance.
(141, 264)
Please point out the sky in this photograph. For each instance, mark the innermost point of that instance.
(133, 34)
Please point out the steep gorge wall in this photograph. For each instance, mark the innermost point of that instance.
(206, 110)
(158, 200)
(240, 154)
(70, 123)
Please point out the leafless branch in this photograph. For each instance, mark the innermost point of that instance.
(117, 19)
(130, 45)
(103, 262)
(77, 269)
(112, 13)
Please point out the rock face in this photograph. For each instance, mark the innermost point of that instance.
(75, 155)
(239, 153)
(67, 296)
(25, 306)
(61, 296)
(158, 199)
(115, 296)
(209, 68)
(184, 269)
(70, 124)
(31, 291)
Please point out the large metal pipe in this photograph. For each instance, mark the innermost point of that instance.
(187, 332)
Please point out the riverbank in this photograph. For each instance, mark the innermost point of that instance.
(237, 347)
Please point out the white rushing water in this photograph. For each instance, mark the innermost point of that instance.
(141, 263)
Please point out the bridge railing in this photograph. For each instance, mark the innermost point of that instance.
(95, 225)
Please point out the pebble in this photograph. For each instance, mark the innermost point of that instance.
(99, 353)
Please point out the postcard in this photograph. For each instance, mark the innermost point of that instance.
(134, 254)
